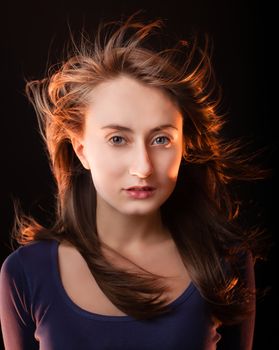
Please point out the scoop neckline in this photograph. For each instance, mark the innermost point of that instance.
(55, 267)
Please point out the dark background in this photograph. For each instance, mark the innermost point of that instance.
(34, 32)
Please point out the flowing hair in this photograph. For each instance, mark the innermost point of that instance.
(201, 213)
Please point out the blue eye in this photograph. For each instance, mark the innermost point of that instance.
(116, 140)
(162, 138)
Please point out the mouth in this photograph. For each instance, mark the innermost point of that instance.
(141, 188)
(140, 192)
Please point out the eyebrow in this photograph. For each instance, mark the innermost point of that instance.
(124, 128)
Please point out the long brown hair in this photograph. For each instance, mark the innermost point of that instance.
(201, 213)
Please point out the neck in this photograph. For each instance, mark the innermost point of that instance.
(127, 232)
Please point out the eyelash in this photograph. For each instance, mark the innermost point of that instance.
(121, 137)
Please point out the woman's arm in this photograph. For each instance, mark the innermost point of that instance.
(16, 322)
(240, 336)
(248, 326)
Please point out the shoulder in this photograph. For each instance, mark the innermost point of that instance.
(26, 257)
(246, 262)
(240, 255)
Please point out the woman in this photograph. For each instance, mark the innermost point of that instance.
(146, 251)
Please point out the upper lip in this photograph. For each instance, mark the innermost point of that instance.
(140, 188)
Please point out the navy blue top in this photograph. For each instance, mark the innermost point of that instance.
(37, 313)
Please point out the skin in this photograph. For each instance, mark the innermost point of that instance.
(120, 159)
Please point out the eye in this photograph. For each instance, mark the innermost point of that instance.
(116, 140)
(161, 140)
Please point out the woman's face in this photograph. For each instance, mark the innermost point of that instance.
(132, 137)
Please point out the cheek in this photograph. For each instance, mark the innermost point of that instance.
(105, 165)
(170, 166)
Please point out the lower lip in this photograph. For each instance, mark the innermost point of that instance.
(140, 194)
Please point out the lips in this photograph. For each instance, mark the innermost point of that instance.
(140, 192)
(141, 188)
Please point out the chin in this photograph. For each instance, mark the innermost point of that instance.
(141, 211)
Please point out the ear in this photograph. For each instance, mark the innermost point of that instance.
(78, 147)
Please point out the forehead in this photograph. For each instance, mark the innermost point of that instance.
(127, 100)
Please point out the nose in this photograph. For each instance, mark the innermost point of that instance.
(142, 165)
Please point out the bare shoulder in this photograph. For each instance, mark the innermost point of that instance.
(70, 259)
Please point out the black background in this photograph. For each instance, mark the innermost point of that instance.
(34, 32)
